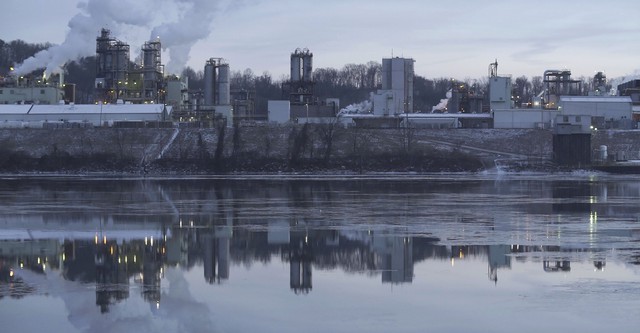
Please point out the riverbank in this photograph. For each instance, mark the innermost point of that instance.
(270, 148)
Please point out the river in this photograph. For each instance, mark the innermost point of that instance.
(376, 253)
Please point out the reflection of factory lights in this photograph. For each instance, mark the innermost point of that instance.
(39, 260)
(306, 239)
(11, 273)
(44, 267)
(180, 223)
(126, 260)
(104, 240)
(152, 241)
(157, 304)
(453, 262)
(119, 260)
(135, 258)
(111, 250)
(461, 254)
(96, 239)
(64, 257)
(21, 265)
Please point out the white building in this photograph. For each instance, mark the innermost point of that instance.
(36, 94)
(278, 111)
(607, 107)
(34, 115)
(396, 95)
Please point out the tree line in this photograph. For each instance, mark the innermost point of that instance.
(351, 84)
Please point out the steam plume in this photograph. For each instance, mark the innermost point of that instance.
(83, 29)
(179, 36)
(194, 18)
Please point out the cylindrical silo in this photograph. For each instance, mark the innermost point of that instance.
(224, 95)
(209, 83)
(307, 66)
(295, 67)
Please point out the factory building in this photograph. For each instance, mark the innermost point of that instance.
(301, 106)
(29, 90)
(117, 78)
(499, 89)
(396, 95)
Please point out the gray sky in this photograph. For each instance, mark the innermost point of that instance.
(446, 38)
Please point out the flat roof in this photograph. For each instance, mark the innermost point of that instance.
(599, 99)
(43, 109)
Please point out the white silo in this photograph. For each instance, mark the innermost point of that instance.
(296, 66)
(307, 66)
(224, 86)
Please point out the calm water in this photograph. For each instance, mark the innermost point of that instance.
(442, 253)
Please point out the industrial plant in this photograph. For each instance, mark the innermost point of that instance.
(140, 94)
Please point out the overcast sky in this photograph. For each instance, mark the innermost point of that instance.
(445, 38)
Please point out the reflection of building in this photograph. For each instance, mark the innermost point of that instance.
(498, 258)
(556, 265)
(216, 255)
(301, 257)
(112, 278)
(151, 270)
(395, 255)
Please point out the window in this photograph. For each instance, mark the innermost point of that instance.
(578, 120)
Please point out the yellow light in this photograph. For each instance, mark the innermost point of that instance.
(11, 273)
(10, 68)
(111, 250)
(21, 265)
(104, 239)
(64, 257)
(38, 260)
(96, 239)
(44, 267)
(135, 258)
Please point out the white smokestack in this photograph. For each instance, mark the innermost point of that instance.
(83, 30)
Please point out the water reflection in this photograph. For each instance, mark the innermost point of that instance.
(114, 266)
(128, 241)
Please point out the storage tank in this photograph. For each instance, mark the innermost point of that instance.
(307, 66)
(295, 67)
(209, 82)
(603, 152)
(224, 95)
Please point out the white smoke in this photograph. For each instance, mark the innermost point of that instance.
(357, 108)
(622, 79)
(443, 103)
(83, 30)
(193, 23)
(179, 36)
